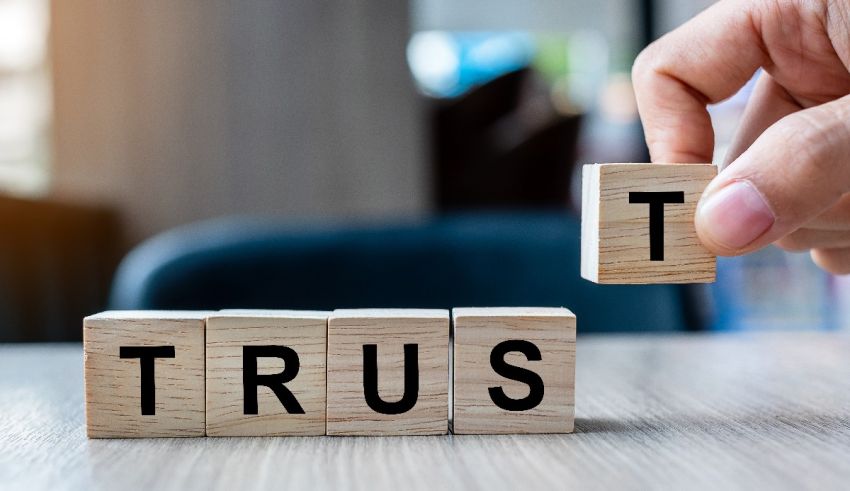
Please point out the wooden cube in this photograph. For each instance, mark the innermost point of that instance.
(638, 223)
(144, 374)
(388, 372)
(513, 370)
(266, 373)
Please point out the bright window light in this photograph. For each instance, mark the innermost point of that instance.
(23, 34)
(434, 59)
(25, 109)
(447, 64)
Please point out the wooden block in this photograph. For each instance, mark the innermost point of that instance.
(266, 373)
(144, 374)
(388, 372)
(638, 223)
(513, 370)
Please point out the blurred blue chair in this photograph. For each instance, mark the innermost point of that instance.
(465, 260)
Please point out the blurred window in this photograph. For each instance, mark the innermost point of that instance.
(447, 64)
(25, 103)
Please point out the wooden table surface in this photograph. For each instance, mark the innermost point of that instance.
(673, 412)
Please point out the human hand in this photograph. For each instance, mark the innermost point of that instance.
(789, 178)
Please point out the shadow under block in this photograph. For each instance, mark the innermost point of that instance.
(514, 370)
(266, 373)
(144, 362)
(388, 372)
(621, 243)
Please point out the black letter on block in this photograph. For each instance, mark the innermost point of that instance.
(411, 380)
(656, 202)
(251, 381)
(534, 382)
(146, 356)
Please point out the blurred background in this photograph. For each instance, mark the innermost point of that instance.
(353, 153)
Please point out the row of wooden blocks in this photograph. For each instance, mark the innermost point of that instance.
(346, 372)
(387, 372)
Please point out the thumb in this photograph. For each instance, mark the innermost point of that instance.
(796, 169)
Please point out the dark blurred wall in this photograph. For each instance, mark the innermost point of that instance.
(56, 264)
(176, 111)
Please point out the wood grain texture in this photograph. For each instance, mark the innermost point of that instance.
(390, 330)
(113, 384)
(476, 332)
(737, 411)
(615, 232)
(305, 332)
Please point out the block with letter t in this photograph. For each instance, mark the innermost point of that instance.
(638, 224)
(144, 374)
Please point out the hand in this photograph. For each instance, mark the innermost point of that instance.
(789, 178)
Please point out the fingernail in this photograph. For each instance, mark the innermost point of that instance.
(735, 216)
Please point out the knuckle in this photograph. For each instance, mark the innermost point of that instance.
(808, 140)
(644, 65)
(816, 154)
(639, 68)
(837, 217)
(835, 261)
(819, 137)
(792, 244)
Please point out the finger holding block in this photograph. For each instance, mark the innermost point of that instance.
(513, 370)
(638, 224)
(388, 372)
(144, 374)
(266, 373)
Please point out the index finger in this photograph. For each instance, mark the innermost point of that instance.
(702, 62)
